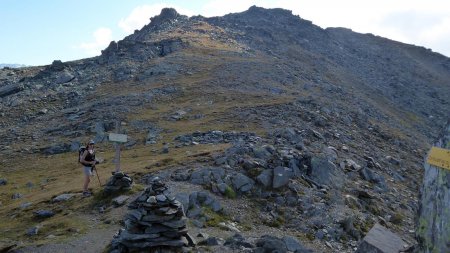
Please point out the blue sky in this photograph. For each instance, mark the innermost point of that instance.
(36, 32)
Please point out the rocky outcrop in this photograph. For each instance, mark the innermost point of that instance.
(434, 211)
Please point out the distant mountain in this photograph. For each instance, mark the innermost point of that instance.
(9, 65)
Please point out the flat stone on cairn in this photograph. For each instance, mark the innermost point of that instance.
(155, 223)
(119, 181)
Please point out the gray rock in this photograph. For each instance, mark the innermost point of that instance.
(165, 149)
(281, 176)
(64, 77)
(331, 153)
(184, 199)
(161, 198)
(369, 175)
(201, 176)
(222, 187)
(293, 245)
(10, 89)
(216, 206)
(194, 212)
(211, 241)
(380, 240)
(198, 223)
(3, 181)
(269, 243)
(217, 174)
(44, 214)
(63, 197)
(280, 200)
(261, 153)
(237, 241)
(393, 160)
(25, 205)
(191, 240)
(221, 160)
(33, 231)
(121, 200)
(324, 172)
(265, 178)
(17, 196)
(293, 164)
(242, 183)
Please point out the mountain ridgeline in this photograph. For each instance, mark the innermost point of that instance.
(349, 115)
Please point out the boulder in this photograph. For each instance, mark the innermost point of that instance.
(380, 240)
(3, 181)
(43, 214)
(265, 178)
(64, 77)
(325, 172)
(10, 89)
(237, 241)
(293, 245)
(269, 243)
(242, 183)
(281, 176)
(120, 200)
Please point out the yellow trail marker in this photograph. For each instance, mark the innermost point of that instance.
(439, 157)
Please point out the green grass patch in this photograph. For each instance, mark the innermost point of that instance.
(230, 193)
(213, 218)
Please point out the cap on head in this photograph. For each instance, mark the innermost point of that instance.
(91, 142)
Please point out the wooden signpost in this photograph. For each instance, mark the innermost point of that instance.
(117, 139)
(434, 210)
(439, 157)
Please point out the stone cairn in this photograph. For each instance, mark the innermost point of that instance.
(155, 223)
(119, 181)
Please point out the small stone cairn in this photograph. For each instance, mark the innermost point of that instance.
(155, 223)
(119, 181)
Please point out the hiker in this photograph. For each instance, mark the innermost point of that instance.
(87, 158)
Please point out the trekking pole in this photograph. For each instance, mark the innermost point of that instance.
(95, 168)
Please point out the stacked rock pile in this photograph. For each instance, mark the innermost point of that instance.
(119, 181)
(155, 223)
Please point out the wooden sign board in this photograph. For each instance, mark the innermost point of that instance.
(439, 157)
(121, 138)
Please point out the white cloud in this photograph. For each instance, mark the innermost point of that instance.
(141, 15)
(102, 38)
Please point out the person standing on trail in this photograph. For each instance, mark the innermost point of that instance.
(87, 159)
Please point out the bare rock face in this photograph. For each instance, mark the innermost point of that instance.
(434, 211)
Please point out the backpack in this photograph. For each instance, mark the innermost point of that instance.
(80, 153)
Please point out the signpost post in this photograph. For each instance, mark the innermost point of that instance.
(117, 139)
(434, 210)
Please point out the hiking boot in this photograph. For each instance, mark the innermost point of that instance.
(87, 194)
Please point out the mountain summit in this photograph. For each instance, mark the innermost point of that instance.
(260, 122)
